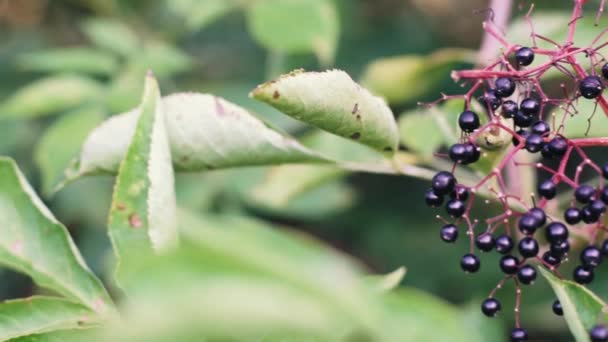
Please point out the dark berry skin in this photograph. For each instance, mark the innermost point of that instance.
(539, 214)
(605, 70)
(589, 215)
(534, 143)
(471, 154)
(591, 256)
(557, 308)
(458, 153)
(522, 120)
(485, 242)
(528, 247)
(604, 195)
(605, 248)
(528, 224)
(449, 233)
(503, 244)
(468, 121)
(597, 207)
(546, 152)
(524, 56)
(490, 307)
(443, 183)
(584, 193)
(460, 192)
(509, 264)
(591, 87)
(523, 134)
(547, 189)
(556, 232)
(470, 263)
(490, 99)
(583, 275)
(551, 259)
(504, 87)
(599, 333)
(573, 215)
(519, 335)
(455, 208)
(560, 248)
(509, 109)
(432, 199)
(526, 274)
(605, 171)
(530, 106)
(540, 127)
(558, 146)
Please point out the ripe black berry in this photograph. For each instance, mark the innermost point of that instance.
(530, 106)
(599, 333)
(490, 307)
(519, 335)
(589, 215)
(524, 56)
(449, 233)
(490, 99)
(591, 87)
(546, 152)
(457, 153)
(539, 214)
(432, 199)
(534, 143)
(509, 109)
(604, 195)
(521, 133)
(504, 87)
(443, 183)
(455, 208)
(547, 189)
(522, 120)
(528, 247)
(560, 248)
(597, 207)
(504, 244)
(591, 256)
(509, 264)
(556, 232)
(460, 192)
(528, 224)
(551, 259)
(557, 308)
(540, 127)
(526, 274)
(605, 247)
(485, 242)
(471, 155)
(558, 146)
(583, 274)
(470, 263)
(584, 193)
(605, 171)
(468, 121)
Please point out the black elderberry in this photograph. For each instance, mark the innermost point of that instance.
(591, 256)
(443, 183)
(560, 248)
(551, 259)
(591, 87)
(605, 248)
(528, 247)
(557, 308)
(432, 199)
(519, 335)
(524, 56)
(540, 127)
(583, 275)
(470, 263)
(546, 152)
(468, 121)
(490, 99)
(556, 232)
(503, 244)
(547, 189)
(605, 70)
(605, 171)
(558, 146)
(599, 333)
(455, 208)
(460, 192)
(530, 106)
(509, 264)
(504, 87)
(597, 207)
(522, 120)
(490, 307)
(539, 214)
(485, 242)
(509, 109)
(471, 155)
(457, 153)
(604, 194)
(534, 143)
(449, 233)
(589, 215)
(584, 193)
(528, 224)
(526, 274)
(521, 133)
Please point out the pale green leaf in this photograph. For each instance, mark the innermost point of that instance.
(61, 143)
(112, 35)
(36, 315)
(332, 101)
(50, 95)
(35, 243)
(124, 90)
(143, 212)
(387, 282)
(293, 26)
(198, 14)
(590, 121)
(582, 308)
(72, 59)
(164, 59)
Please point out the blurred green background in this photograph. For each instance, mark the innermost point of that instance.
(83, 60)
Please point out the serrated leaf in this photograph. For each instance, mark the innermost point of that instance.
(50, 95)
(61, 143)
(295, 26)
(332, 101)
(199, 14)
(112, 35)
(143, 212)
(582, 308)
(35, 243)
(36, 315)
(73, 59)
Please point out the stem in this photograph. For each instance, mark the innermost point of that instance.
(489, 43)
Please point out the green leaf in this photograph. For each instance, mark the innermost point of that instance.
(36, 315)
(590, 121)
(50, 95)
(295, 26)
(124, 90)
(73, 59)
(198, 14)
(332, 101)
(61, 143)
(35, 243)
(582, 308)
(111, 35)
(390, 77)
(164, 59)
(143, 212)
(387, 282)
